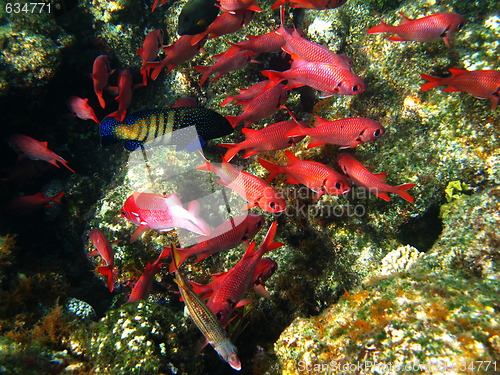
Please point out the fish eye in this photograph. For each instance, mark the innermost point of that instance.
(272, 204)
(219, 315)
(124, 213)
(355, 88)
(259, 224)
(338, 185)
(376, 133)
(460, 25)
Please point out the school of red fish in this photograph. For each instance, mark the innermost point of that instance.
(311, 65)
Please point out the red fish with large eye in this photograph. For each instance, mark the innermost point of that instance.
(28, 204)
(35, 150)
(316, 176)
(105, 250)
(375, 183)
(246, 94)
(263, 105)
(225, 23)
(125, 87)
(152, 45)
(100, 75)
(483, 84)
(425, 29)
(177, 53)
(270, 138)
(251, 188)
(225, 64)
(82, 109)
(226, 236)
(330, 79)
(235, 283)
(347, 132)
(154, 211)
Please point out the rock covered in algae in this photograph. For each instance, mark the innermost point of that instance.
(441, 316)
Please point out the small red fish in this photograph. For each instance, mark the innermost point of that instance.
(143, 286)
(235, 283)
(152, 45)
(262, 106)
(327, 78)
(347, 132)
(105, 250)
(100, 76)
(310, 4)
(186, 102)
(153, 211)
(124, 98)
(252, 188)
(373, 182)
(425, 29)
(225, 23)
(177, 53)
(25, 170)
(235, 5)
(246, 94)
(265, 43)
(483, 84)
(26, 205)
(226, 236)
(82, 109)
(266, 267)
(35, 150)
(316, 176)
(225, 64)
(270, 138)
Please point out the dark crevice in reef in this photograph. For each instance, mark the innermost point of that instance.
(422, 232)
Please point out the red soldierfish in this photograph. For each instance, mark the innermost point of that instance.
(205, 320)
(125, 87)
(266, 43)
(246, 94)
(28, 204)
(177, 53)
(425, 29)
(373, 182)
(225, 23)
(483, 84)
(82, 109)
(252, 188)
(105, 250)
(262, 106)
(143, 286)
(310, 4)
(270, 138)
(226, 236)
(347, 132)
(236, 282)
(225, 64)
(35, 150)
(100, 76)
(316, 176)
(266, 267)
(154, 211)
(152, 45)
(324, 77)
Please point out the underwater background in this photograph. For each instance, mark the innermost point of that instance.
(367, 282)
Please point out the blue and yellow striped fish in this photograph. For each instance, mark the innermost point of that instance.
(146, 125)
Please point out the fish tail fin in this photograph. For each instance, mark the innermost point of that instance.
(144, 72)
(233, 149)
(382, 27)
(274, 78)
(433, 82)
(107, 131)
(233, 120)
(157, 67)
(57, 198)
(273, 169)
(65, 163)
(106, 271)
(118, 115)
(182, 256)
(201, 225)
(205, 72)
(401, 191)
(101, 100)
(226, 101)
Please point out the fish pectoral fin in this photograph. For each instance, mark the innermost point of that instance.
(317, 195)
(261, 291)
(383, 196)
(381, 176)
(397, 39)
(138, 233)
(450, 89)
(249, 206)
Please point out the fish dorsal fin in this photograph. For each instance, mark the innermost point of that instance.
(248, 132)
(319, 121)
(455, 72)
(139, 51)
(172, 199)
(404, 19)
(150, 201)
(291, 158)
